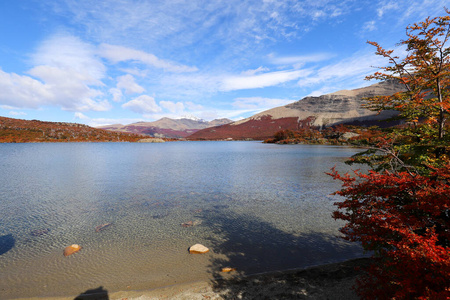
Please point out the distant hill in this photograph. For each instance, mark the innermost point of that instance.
(24, 131)
(166, 127)
(342, 107)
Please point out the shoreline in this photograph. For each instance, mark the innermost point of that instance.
(330, 281)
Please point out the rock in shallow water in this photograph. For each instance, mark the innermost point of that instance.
(71, 249)
(39, 232)
(198, 249)
(102, 227)
(227, 270)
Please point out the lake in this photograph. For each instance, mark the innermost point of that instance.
(258, 207)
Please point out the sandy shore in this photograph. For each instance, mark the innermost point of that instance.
(333, 281)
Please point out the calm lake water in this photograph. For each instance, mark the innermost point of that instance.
(258, 207)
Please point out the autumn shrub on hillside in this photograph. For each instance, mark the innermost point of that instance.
(400, 209)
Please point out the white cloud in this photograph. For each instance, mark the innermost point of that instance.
(387, 6)
(66, 74)
(192, 106)
(300, 59)
(60, 88)
(95, 122)
(116, 93)
(143, 105)
(175, 25)
(354, 68)
(172, 106)
(80, 116)
(255, 71)
(413, 10)
(369, 26)
(22, 91)
(259, 102)
(65, 88)
(17, 113)
(67, 52)
(135, 71)
(121, 54)
(127, 83)
(259, 81)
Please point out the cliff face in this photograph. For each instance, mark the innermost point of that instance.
(166, 127)
(342, 107)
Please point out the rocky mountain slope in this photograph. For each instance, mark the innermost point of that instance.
(166, 127)
(25, 131)
(342, 107)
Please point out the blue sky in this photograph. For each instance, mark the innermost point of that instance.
(123, 61)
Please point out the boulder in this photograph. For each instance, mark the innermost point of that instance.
(151, 140)
(198, 249)
(227, 270)
(348, 135)
(69, 250)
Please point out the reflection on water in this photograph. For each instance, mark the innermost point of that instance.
(136, 208)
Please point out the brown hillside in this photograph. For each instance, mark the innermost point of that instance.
(25, 131)
(343, 107)
(256, 129)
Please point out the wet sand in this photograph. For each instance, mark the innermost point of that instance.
(333, 281)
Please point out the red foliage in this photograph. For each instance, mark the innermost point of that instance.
(257, 129)
(24, 131)
(405, 218)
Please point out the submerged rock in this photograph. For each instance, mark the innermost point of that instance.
(39, 232)
(102, 227)
(69, 250)
(198, 249)
(191, 223)
(187, 224)
(227, 270)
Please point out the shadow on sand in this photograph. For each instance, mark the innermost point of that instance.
(7, 242)
(94, 294)
(254, 246)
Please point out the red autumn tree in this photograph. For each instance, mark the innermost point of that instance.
(400, 209)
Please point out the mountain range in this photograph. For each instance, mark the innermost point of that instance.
(342, 107)
(166, 127)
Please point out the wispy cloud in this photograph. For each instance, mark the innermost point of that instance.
(17, 113)
(346, 73)
(414, 10)
(95, 122)
(259, 103)
(196, 23)
(387, 6)
(173, 107)
(369, 26)
(122, 54)
(233, 83)
(300, 60)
